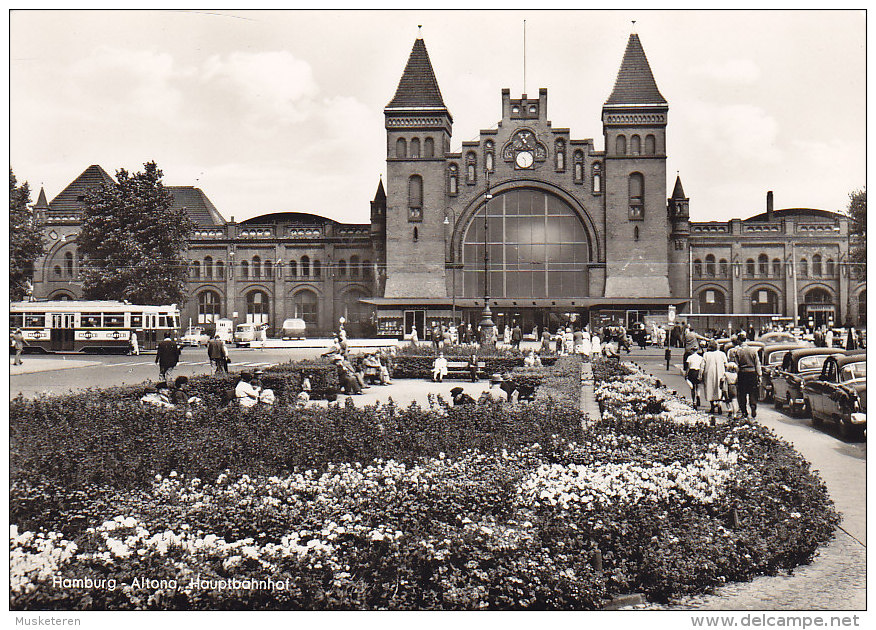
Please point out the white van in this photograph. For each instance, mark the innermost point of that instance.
(294, 328)
(225, 330)
(247, 333)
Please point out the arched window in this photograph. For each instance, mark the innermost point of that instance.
(401, 148)
(354, 266)
(763, 264)
(637, 196)
(816, 265)
(749, 267)
(471, 168)
(454, 179)
(305, 267)
(829, 269)
(208, 267)
(220, 270)
(57, 271)
(415, 198)
(488, 161)
(269, 269)
(635, 145)
(712, 301)
(723, 269)
(804, 268)
(194, 270)
(429, 148)
(697, 268)
(256, 267)
(597, 177)
(777, 268)
(620, 145)
(650, 145)
(710, 265)
(561, 155)
(818, 296)
(578, 168)
(366, 269)
(416, 235)
(317, 269)
(293, 269)
(244, 269)
(68, 264)
(342, 268)
(257, 307)
(209, 307)
(305, 305)
(636, 233)
(415, 147)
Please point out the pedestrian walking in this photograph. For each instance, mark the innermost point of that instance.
(167, 357)
(516, 336)
(18, 342)
(595, 345)
(135, 344)
(414, 338)
(748, 361)
(694, 371)
(545, 341)
(667, 355)
(218, 355)
(714, 367)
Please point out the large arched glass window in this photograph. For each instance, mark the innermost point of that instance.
(650, 145)
(305, 267)
(764, 301)
(257, 307)
(710, 265)
(401, 148)
(712, 301)
(429, 148)
(354, 266)
(538, 247)
(415, 198)
(637, 196)
(208, 267)
(763, 265)
(305, 306)
(816, 265)
(209, 307)
(620, 145)
(415, 147)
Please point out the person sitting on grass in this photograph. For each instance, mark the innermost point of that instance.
(439, 368)
(181, 396)
(460, 398)
(161, 397)
(266, 395)
(245, 392)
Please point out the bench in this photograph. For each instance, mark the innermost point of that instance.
(460, 368)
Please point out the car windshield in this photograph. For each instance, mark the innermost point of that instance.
(853, 370)
(775, 358)
(814, 362)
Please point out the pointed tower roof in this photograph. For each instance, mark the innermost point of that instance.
(380, 195)
(70, 199)
(678, 191)
(196, 205)
(41, 203)
(418, 87)
(635, 84)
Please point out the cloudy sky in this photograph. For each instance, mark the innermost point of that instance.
(283, 111)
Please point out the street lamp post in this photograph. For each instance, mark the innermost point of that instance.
(486, 325)
(451, 227)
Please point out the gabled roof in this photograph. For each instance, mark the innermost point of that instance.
(678, 191)
(69, 199)
(635, 84)
(418, 86)
(196, 204)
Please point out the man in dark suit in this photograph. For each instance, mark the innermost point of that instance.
(167, 357)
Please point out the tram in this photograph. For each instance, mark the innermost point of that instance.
(91, 326)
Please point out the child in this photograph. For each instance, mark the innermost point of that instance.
(729, 383)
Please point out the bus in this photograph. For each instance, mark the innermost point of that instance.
(91, 326)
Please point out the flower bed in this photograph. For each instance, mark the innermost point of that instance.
(501, 507)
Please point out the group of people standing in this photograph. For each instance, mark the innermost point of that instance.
(730, 378)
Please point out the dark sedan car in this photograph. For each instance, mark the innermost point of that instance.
(839, 394)
(771, 356)
(798, 367)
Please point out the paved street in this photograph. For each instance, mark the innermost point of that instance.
(836, 580)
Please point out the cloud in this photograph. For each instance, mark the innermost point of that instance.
(730, 133)
(733, 71)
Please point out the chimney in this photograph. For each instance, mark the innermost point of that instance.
(769, 205)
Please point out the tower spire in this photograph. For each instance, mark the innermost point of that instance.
(635, 83)
(418, 86)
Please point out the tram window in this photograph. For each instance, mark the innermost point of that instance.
(176, 321)
(90, 320)
(162, 321)
(16, 320)
(114, 320)
(136, 320)
(34, 320)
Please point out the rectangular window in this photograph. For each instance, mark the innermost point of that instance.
(91, 320)
(710, 297)
(16, 320)
(136, 320)
(34, 320)
(762, 297)
(114, 320)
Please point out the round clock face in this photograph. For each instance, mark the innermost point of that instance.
(524, 159)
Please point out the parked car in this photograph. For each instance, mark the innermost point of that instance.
(294, 328)
(194, 337)
(839, 394)
(247, 333)
(798, 367)
(771, 356)
(779, 336)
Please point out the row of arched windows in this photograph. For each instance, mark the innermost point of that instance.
(763, 300)
(620, 145)
(68, 271)
(356, 268)
(763, 267)
(256, 268)
(471, 173)
(305, 305)
(412, 149)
